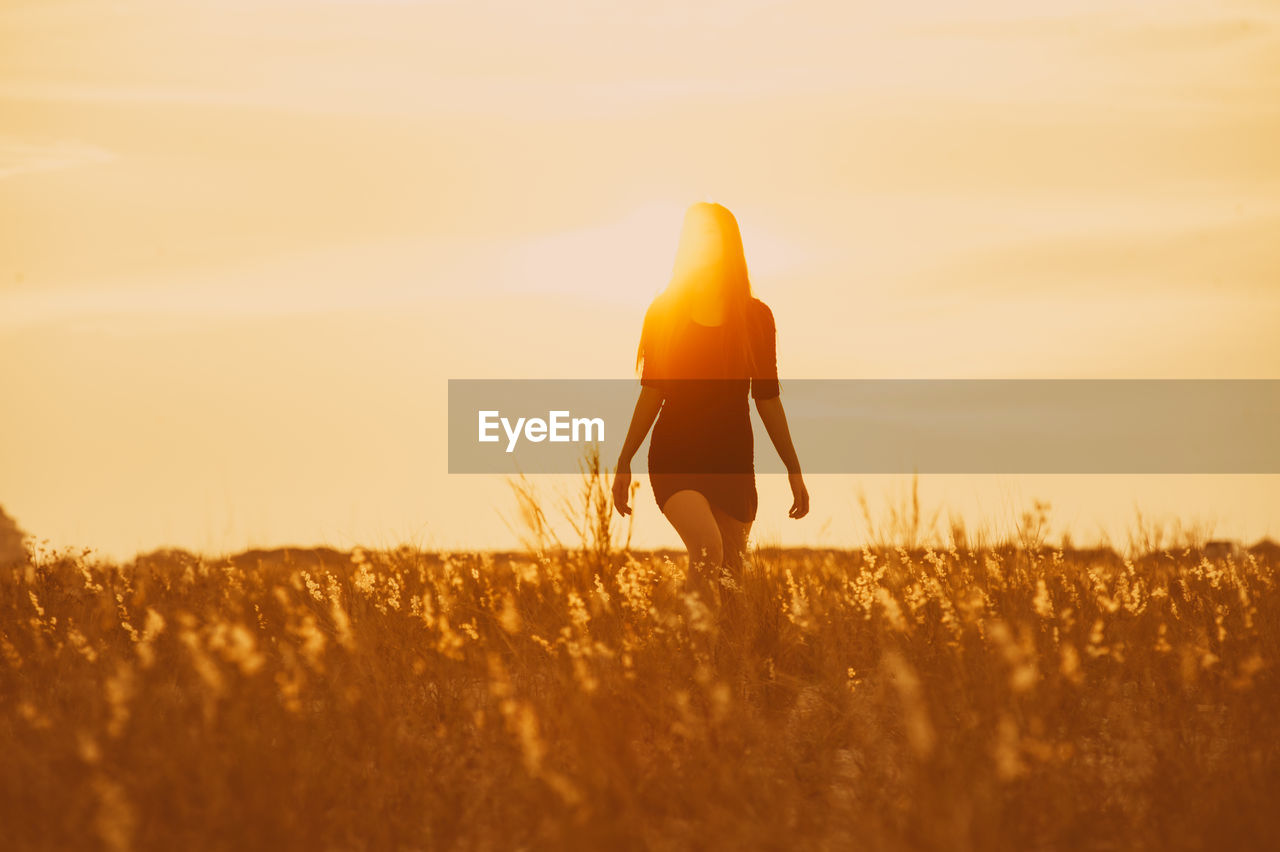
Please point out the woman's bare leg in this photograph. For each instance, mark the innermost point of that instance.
(695, 521)
(734, 535)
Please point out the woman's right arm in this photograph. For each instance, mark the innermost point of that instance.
(647, 407)
(775, 423)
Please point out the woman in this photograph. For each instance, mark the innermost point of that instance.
(705, 344)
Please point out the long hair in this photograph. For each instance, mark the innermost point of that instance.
(708, 255)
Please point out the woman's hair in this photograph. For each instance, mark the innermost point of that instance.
(709, 254)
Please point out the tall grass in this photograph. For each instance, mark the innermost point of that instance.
(577, 697)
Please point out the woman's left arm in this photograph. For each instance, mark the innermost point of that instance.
(775, 423)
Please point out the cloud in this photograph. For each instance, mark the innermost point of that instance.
(19, 157)
(1231, 259)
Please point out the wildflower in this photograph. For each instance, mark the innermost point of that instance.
(892, 611)
(1095, 648)
(578, 612)
(313, 587)
(699, 614)
(600, 591)
(1042, 602)
(509, 619)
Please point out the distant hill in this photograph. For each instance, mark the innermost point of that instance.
(11, 549)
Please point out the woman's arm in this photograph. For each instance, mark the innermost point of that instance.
(775, 423)
(647, 407)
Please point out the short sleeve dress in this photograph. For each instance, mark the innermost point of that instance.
(702, 440)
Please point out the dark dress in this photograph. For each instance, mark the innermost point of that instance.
(702, 440)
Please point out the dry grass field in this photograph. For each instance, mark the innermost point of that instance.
(999, 698)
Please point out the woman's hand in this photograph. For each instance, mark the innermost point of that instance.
(799, 494)
(622, 488)
(647, 405)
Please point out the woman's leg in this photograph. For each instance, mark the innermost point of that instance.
(695, 521)
(733, 536)
(729, 584)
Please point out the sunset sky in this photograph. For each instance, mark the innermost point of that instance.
(244, 245)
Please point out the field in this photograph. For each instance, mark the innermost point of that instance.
(1017, 697)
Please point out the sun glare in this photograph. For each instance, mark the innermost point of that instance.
(628, 259)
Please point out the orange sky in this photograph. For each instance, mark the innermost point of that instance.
(243, 246)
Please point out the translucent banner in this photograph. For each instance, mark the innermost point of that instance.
(894, 426)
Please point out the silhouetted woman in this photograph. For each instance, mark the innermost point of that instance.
(706, 344)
